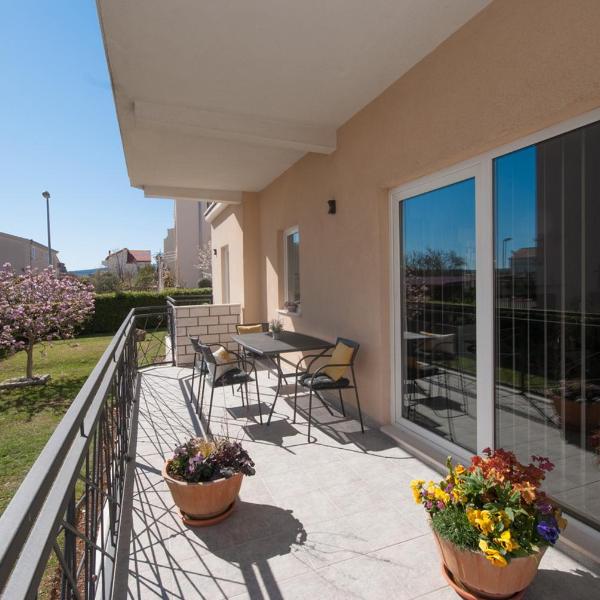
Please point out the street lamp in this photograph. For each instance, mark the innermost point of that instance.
(47, 196)
(504, 242)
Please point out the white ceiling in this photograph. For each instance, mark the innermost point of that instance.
(227, 94)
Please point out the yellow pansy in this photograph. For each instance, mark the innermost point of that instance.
(484, 521)
(459, 470)
(492, 555)
(415, 486)
(505, 540)
(502, 516)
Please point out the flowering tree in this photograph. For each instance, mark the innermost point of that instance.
(204, 264)
(36, 306)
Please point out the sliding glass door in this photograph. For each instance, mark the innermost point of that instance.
(437, 286)
(547, 313)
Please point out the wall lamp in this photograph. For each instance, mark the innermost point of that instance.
(332, 207)
(215, 251)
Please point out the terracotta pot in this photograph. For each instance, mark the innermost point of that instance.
(476, 574)
(571, 416)
(204, 503)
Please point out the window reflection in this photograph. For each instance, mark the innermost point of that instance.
(547, 322)
(438, 286)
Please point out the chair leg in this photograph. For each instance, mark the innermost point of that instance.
(362, 427)
(247, 397)
(295, 400)
(193, 378)
(310, 394)
(342, 402)
(202, 394)
(212, 393)
(258, 398)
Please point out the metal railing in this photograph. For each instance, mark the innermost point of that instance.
(60, 533)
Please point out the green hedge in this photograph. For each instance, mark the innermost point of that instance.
(112, 308)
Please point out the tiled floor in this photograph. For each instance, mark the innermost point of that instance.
(331, 519)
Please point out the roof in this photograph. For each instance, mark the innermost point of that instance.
(28, 240)
(216, 98)
(525, 253)
(141, 255)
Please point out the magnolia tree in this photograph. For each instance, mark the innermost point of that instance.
(38, 306)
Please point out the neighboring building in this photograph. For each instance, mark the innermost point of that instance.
(180, 248)
(21, 253)
(439, 129)
(523, 260)
(126, 263)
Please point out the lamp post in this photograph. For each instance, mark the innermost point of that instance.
(504, 242)
(47, 196)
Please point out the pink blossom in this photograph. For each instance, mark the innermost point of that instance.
(38, 306)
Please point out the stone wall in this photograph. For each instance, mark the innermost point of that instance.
(212, 323)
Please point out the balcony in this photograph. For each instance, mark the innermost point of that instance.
(331, 519)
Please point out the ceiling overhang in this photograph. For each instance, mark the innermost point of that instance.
(215, 98)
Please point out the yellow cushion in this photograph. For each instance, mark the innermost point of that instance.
(342, 354)
(242, 329)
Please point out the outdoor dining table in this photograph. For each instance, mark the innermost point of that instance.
(270, 349)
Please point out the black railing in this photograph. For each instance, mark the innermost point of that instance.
(60, 533)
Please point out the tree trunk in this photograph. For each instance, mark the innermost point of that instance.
(29, 351)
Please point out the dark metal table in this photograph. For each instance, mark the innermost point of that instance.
(266, 347)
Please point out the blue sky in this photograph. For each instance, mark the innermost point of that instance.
(59, 132)
(444, 219)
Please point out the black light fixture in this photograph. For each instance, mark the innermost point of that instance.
(332, 208)
(215, 251)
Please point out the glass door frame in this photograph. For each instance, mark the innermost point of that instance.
(484, 248)
(481, 168)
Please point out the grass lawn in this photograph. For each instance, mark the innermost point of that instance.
(28, 416)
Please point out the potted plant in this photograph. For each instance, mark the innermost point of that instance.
(570, 397)
(204, 478)
(276, 327)
(491, 522)
(291, 306)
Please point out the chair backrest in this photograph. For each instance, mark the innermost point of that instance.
(196, 345)
(207, 354)
(264, 327)
(351, 344)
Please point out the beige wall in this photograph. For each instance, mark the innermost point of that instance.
(517, 67)
(237, 228)
(191, 233)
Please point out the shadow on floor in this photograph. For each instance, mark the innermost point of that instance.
(560, 584)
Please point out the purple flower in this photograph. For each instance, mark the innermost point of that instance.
(440, 505)
(545, 507)
(548, 530)
(429, 505)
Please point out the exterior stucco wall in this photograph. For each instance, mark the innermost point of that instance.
(22, 253)
(516, 68)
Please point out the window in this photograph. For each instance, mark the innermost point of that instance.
(291, 249)
(547, 313)
(438, 311)
(496, 307)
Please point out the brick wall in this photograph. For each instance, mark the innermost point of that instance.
(213, 323)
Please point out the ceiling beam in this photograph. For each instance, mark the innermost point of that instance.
(237, 127)
(158, 191)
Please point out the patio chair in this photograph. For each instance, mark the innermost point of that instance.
(331, 376)
(199, 363)
(224, 372)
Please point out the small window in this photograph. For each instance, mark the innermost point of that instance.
(291, 244)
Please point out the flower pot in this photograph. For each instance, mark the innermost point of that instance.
(570, 413)
(276, 335)
(473, 576)
(206, 502)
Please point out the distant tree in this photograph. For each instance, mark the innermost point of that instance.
(105, 281)
(146, 278)
(432, 260)
(37, 306)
